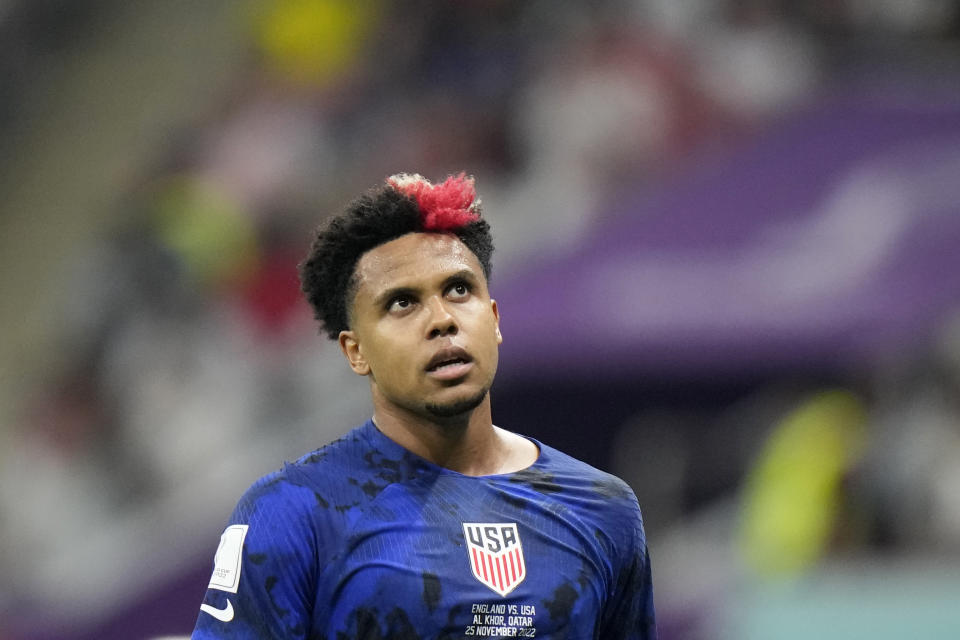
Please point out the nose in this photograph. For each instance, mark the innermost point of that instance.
(442, 322)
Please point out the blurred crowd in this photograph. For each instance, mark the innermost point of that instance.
(188, 364)
(810, 495)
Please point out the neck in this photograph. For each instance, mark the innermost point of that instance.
(467, 443)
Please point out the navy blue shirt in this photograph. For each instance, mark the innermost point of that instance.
(364, 539)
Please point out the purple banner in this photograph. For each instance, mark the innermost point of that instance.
(834, 237)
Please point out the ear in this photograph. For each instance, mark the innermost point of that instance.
(352, 352)
(496, 317)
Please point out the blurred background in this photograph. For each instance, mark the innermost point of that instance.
(728, 265)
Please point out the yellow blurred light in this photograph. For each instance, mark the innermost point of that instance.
(215, 239)
(315, 41)
(792, 495)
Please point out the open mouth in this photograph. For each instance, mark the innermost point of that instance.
(448, 360)
(446, 364)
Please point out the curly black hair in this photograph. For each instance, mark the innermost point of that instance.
(378, 216)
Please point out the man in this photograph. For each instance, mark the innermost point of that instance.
(428, 521)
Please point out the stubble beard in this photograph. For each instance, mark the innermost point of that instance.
(458, 407)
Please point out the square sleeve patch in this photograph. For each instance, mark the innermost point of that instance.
(227, 561)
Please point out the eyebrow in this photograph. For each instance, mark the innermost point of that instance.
(462, 274)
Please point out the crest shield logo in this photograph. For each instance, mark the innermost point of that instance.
(496, 555)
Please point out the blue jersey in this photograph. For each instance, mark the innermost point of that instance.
(363, 539)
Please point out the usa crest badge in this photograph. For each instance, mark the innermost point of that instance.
(496, 554)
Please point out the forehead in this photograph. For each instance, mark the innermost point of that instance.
(412, 258)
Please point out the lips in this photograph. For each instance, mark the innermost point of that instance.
(448, 358)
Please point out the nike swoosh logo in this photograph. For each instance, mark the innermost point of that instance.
(223, 615)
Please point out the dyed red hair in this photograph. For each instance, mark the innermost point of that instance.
(443, 207)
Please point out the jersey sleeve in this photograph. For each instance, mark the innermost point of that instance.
(629, 613)
(263, 578)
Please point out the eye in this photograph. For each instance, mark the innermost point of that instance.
(458, 291)
(399, 304)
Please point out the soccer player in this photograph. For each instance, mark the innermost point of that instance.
(427, 521)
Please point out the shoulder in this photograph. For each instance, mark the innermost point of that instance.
(598, 500)
(320, 479)
(335, 462)
(576, 474)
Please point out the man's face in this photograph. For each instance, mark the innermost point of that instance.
(423, 326)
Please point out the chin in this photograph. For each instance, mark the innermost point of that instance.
(457, 407)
